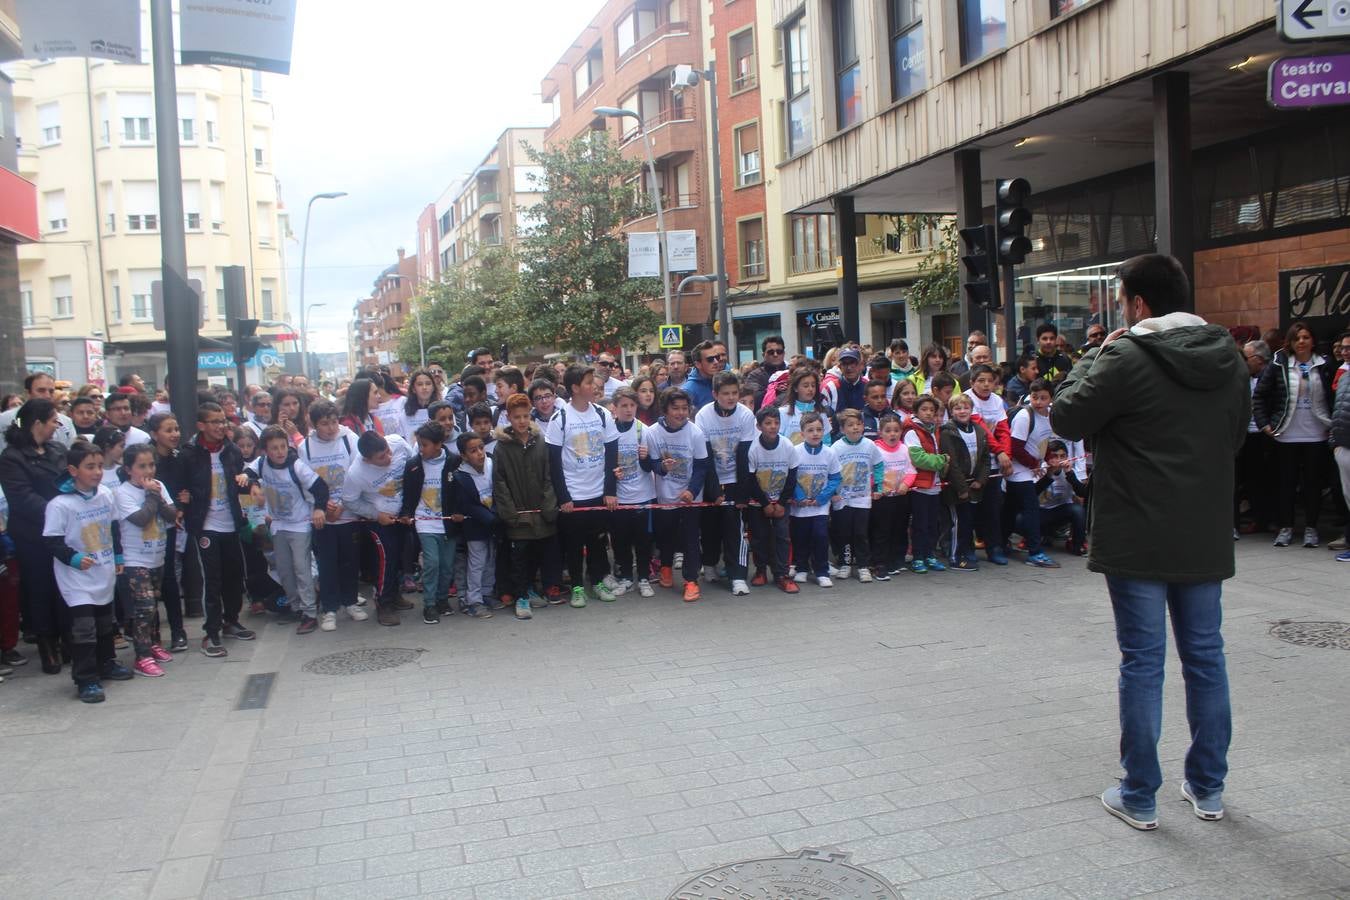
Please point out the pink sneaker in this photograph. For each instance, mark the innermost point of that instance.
(148, 667)
(160, 654)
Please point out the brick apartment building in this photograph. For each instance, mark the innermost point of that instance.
(381, 316)
(624, 58)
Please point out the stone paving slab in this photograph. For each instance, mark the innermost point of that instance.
(951, 733)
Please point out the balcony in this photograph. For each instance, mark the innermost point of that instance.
(668, 46)
(814, 261)
(662, 32)
(669, 133)
(754, 271)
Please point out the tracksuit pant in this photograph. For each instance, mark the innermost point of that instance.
(583, 539)
(723, 537)
(924, 523)
(989, 515)
(811, 544)
(962, 533)
(849, 527)
(631, 534)
(1025, 507)
(220, 560)
(388, 540)
(535, 556)
(295, 570)
(677, 531)
(770, 540)
(482, 573)
(888, 532)
(92, 627)
(339, 559)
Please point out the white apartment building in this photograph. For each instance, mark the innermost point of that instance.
(87, 140)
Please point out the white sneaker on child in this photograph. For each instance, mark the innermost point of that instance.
(645, 588)
(356, 613)
(328, 622)
(865, 576)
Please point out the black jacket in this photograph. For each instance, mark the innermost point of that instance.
(30, 480)
(479, 521)
(196, 468)
(964, 474)
(1270, 401)
(415, 478)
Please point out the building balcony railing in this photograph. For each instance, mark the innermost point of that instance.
(651, 37)
(746, 80)
(753, 271)
(664, 117)
(814, 261)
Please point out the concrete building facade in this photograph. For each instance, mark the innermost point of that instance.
(380, 318)
(490, 207)
(87, 137)
(18, 218)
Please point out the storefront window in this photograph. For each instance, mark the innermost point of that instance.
(1070, 300)
(984, 27)
(750, 334)
(889, 323)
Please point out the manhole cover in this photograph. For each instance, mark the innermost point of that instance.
(809, 874)
(1314, 634)
(354, 662)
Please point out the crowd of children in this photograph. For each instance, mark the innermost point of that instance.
(515, 490)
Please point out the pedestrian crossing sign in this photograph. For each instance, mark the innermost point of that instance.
(672, 336)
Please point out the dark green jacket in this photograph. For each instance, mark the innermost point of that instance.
(520, 481)
(1164, 412)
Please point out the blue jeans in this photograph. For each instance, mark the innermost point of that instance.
(438, 567)
(1141, 609)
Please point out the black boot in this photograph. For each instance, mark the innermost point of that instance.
(49, 652)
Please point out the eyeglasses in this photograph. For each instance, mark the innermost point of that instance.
(606, 363)
(774, 351)
(717, 357)
(215, 422)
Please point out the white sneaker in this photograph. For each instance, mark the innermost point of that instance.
(612, 583)
(677, 563)
(1311, 538)
(824, 581)
(865, 576)
(357, 614)
(739, 588)
(623, 586)
(792, 571)
(1283, 537)
(842, 572)
(710, 573)
(328, 622)
(800, 578)
(645, 588)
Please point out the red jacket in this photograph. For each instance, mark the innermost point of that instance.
(1000, 440)
(926, 478)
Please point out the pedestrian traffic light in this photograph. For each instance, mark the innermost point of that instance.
(980, 269)
(1013, 217)
(245, 339)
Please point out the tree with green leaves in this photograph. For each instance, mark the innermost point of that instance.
(937, 281)
(471, 306)
(575, 293)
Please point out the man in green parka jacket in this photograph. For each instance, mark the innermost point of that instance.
(1164, 406)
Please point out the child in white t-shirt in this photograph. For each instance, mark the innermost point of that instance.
(851, 507)
(146, 513)
(677, 453)
(818, 477)
(1030, 433)
(631, 529)
(770, 487)
(297, 503)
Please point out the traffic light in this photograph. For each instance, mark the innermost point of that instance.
(244, 337)
(1013, 217)
(980, 268)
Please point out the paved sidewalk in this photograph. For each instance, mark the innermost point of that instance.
(951, 732)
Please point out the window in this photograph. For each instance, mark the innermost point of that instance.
(212, 116)
(1063, 7)
(269, 289)
(187, 118)
(751, 243)
(984, 27)
(115, 287)
(260, 148)
(907, 50)
(26, 301)
(264, 224)
(633, 27)
(109, 209)
(800, 130)
(192, 205)
(847, 69)
(63, 298)
(142, 280)
(141, 199)
(747, 154)
(555, 106)
(812, 243)
(587, 73)
(257, 83)
(49, 123)
(446, 218)
(136, 111)
(55, 204)
(104, 126)
(217, 206)
(743, 60)
(647, 104)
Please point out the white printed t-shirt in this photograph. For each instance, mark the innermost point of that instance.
(85, 523)
(142, 546)
(582, 435)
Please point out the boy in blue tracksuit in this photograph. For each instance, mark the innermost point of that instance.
(818, 477)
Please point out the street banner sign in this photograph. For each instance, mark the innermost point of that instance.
(1306, 82)
(245, 34)
(683, 250)
(109, 30)
(644, 255)
(672, 337)
(1313, 20)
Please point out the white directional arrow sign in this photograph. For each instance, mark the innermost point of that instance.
(1313, 20)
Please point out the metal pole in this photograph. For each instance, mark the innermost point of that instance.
(1010, 312)
(304, 323)
(180, 313)
(655, 191)
(720, 251)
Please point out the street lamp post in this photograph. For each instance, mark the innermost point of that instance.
(304, 247)
(616, 112)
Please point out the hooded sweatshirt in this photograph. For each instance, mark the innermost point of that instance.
(1164, 409)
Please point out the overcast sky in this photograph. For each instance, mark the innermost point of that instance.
(391, 102)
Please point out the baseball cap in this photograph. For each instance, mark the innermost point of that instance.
(850, 353)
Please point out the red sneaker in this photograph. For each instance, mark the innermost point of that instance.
(148, 667)
(691, 592)
(160, 654)
(788, 586)
(667, 577)
(760, 579)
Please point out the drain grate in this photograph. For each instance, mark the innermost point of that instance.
(257, 691)
(357, 662)
(807, 873)
(1314, 634)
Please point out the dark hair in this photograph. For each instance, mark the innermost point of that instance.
(127, 380)
(670, 395)
(477, 352)
(134, 452)
(476, 382)
(273, 433)
(108, 437)
(941, 380)
(879, 361)
(1157, 278)
(86, 400)
(152, 424)
(469, 370)
(205, 409)
(464, 440)
(810, 418)
(1040, 384)
(80, 451)
(31, 378)
(981, 369)
(575, 375)
(637, 382)
(478, 411)
(512, 376)
(899, 387)
(624, 393)
(1027, 359)
(1046, 328)
(788, 397)
(430, 431)
(927, 398)
(768, 412)
(1291, 334)
(222, 392)
(899, 344)
(723, 379)
(772, 339)
(140, 404)
(116, 398)
(699, 349)
(239, 433)
(1056, 447)
(412, 404)
(877, 382)
(886, 418)
(437, 407)
(933, 350)
(540, 384)
(356, 404)
(300, 400)
(321, 409)
(370, 443)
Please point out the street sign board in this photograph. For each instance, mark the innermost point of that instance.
(1313, 20)
(672, 337)
(1304, 82)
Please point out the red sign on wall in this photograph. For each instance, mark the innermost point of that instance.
(18, 208)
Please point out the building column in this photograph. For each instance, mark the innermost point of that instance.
(848, 278)
(969, 212)
(1174, 201)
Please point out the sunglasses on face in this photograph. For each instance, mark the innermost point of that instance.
(719, 357)
(773, 352)
(605, 363)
